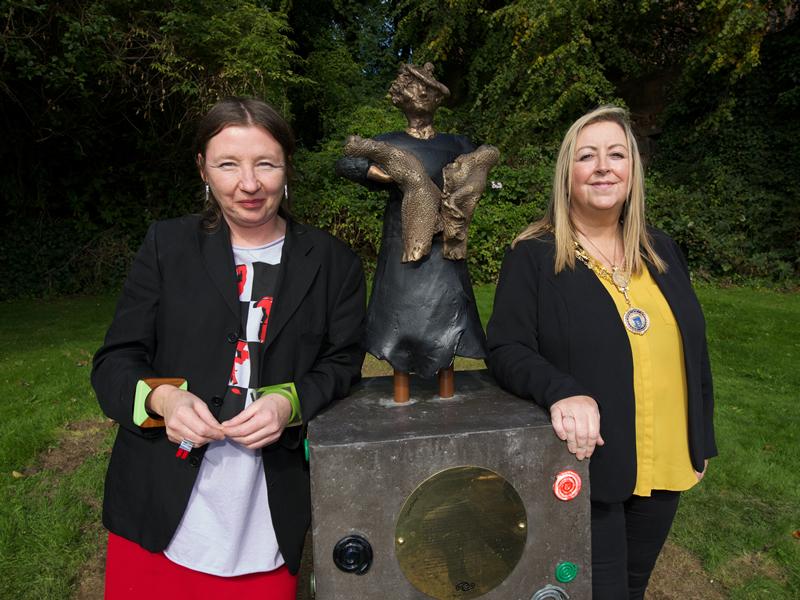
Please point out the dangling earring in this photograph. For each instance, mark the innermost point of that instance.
(286, 190)
(208, 193)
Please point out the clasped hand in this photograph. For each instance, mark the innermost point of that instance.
(576, 419)
(187, 417)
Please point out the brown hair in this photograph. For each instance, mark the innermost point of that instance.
(635, 239)
(242, 111)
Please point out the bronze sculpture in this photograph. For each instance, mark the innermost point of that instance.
(471, 471)
(422, 310)
(464, 182)
(425, 209)
(421, 219)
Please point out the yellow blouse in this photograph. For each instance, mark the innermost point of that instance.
(659, 385)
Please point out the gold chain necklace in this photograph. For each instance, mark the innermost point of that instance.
(613, 263)
(635, 319)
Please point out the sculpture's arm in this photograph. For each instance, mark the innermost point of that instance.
(361, 170)
(388, 163)
(375, 173)
(352, 168)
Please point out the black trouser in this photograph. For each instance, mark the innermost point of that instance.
(626, 539)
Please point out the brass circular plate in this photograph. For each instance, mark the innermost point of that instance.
(463, 531)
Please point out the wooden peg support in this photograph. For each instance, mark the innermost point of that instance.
(447, 384)
(401, 387)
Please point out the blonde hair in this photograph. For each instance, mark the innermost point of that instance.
(635, 238)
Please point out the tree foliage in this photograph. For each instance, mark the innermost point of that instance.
(725, 80)
(726, 161)
(98, 100)
(541, 64)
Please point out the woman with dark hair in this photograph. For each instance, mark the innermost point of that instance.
(595, 320)
(233, 329)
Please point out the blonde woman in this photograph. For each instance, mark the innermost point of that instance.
(595, 320)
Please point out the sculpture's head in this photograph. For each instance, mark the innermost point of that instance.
(415, 90)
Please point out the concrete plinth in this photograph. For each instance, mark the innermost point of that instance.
(368, 456)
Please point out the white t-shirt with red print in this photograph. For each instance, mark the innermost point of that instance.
(227, 528)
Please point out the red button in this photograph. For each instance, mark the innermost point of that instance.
(567, 485)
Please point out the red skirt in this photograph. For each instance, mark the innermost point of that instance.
(133, 573)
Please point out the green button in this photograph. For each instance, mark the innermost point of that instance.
(566, 571)
(305, 447)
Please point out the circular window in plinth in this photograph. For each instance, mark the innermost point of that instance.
(461, 533)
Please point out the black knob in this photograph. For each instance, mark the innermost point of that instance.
(216, 401)
(232, 338)
(353, 554)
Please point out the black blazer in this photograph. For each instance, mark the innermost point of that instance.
(554, 336)
(179, 316)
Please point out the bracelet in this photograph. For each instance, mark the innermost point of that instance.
(144, 387)
(288, 391)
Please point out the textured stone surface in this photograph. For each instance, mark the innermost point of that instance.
(368, 455)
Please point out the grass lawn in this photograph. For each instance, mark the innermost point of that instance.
(48, 517)
(740, 522)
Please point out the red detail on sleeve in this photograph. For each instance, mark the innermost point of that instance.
(266, 304)
(567, 485)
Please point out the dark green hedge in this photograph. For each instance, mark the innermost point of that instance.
(726, 233)
(97, 102)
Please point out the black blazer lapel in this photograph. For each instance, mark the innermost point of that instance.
(217, 253)
(298, 269)
(598, 304)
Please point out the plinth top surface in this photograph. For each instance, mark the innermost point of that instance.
(370, 414)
